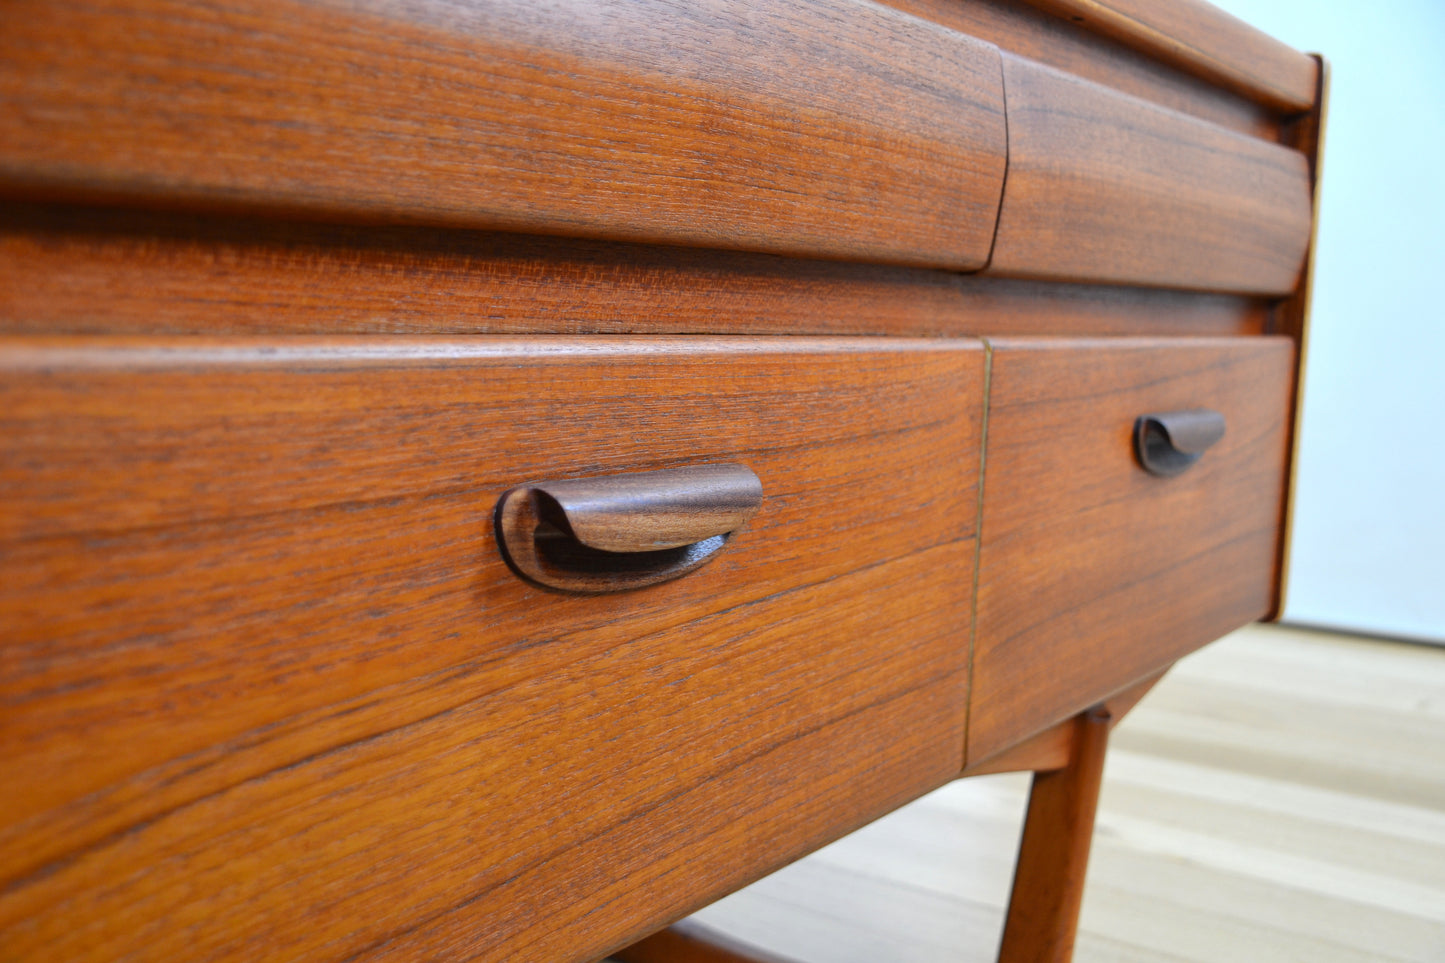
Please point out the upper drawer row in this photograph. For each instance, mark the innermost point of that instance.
(817, 128)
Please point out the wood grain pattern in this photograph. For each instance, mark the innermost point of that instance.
(1074, 47)
(1105, 187)
(1281, 794)
(78, 270)
(1009, 307)
(1202, 39)
(290, 701)
(1051, 748)
(1039, 752)
(1094, 574)
(832, 128)
(691, 942)
(274, 691)
(1048, 886)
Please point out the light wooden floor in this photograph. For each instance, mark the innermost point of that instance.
(1279, 797)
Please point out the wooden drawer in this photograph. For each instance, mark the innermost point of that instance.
(289, 701)
(823, 128)
(1094, 573)
(1102, 186)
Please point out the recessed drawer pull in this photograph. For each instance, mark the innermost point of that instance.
(1170, 442)
(619, 532)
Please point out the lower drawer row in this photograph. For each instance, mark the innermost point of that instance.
(278, 690)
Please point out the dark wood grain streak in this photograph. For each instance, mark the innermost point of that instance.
(290, 701)
(1202, 39)
(1105, 187)
(81, 270)
(831, 128)
(1094, 574)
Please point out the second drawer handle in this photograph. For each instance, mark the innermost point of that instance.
(619, 532)
(1169, 442)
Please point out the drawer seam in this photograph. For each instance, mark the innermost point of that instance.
(977, 541)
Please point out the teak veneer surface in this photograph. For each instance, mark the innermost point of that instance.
(1052, 748)
(1106, 187)
(273, 691)
(289, 701)
(1048, 885)
(1072, 44)
(1200, 38)
(828, 128)
(689, 942)
(73, 270)
(1094, 574)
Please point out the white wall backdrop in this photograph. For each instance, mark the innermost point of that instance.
(1369, 542)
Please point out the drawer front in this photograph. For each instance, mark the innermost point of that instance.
(1094, 573)
(820, 128)
(1106, 187)
(289, 701)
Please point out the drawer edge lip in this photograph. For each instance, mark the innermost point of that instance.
(26, 351)
(1052, 342)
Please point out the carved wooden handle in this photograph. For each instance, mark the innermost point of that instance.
(619, 532)
(1170, 442)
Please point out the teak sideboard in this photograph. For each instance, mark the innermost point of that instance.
(483, 479)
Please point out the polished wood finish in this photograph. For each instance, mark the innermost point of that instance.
(1281, 793)
(1048, 887)
(691, 942)
(333, 724)
(1104, 187)
(69, 270)
(1003, 307)
(1051, 749)
(1204, 40)
(1040, 752)
(614, 533)
(1075, 47)
(646, 511)
(832, 128)
(280, 692)
(1093, 573)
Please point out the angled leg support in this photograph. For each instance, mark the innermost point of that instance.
(1048, 889)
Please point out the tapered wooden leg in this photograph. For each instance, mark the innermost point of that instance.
(1043, 911)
